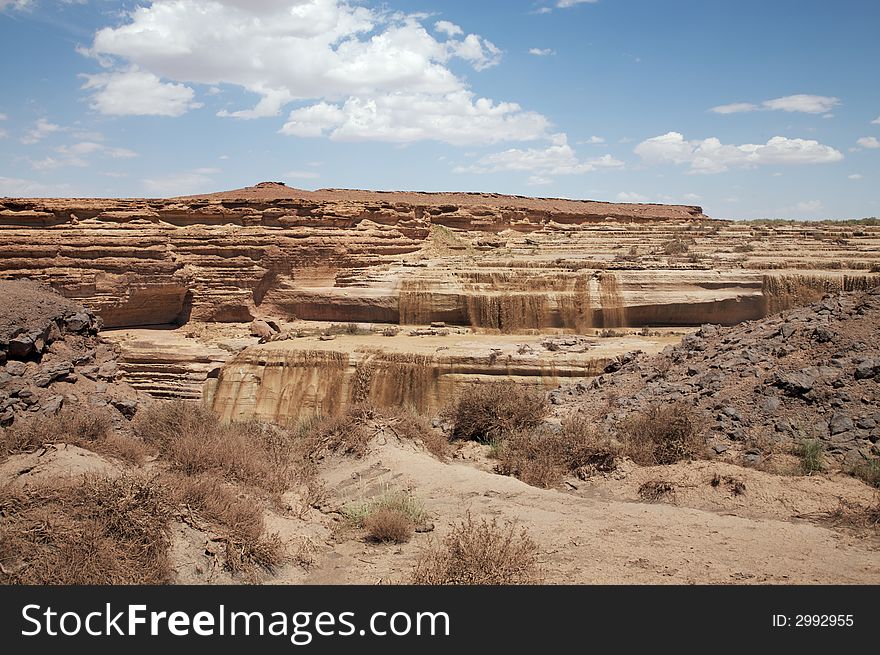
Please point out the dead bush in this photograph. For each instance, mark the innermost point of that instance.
(194, 440)
(238, 520)
(347, 434)
(490, 411)
(90, 428)
(410, 425)
(100, 531)
(483, 553)
(543, 457)
(654, 491)
(736, 486)
(389, 526)
(675, 247)
(663, 434)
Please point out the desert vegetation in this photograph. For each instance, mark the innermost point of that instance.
(480, 553)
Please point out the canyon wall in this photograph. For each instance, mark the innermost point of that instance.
(488, 261)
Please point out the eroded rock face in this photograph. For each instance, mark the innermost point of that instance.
(484, 260)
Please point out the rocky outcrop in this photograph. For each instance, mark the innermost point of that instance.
(808, 373)
(51, 357)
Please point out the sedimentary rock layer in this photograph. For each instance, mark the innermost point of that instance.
(489, 261)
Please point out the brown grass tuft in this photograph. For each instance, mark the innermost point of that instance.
(663, 434)
(491, 411)
(389, 526)
(101, 531)
(483, 553)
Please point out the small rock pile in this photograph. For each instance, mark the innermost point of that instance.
(807, 373)
(51, 356)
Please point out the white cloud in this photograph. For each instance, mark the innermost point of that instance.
(457, 118)
(807, 104)
(557, 159)
(542, 52)
(90, 147)
(628, 196)
(593, 141)
(206, 171)
(42, 128)
(344, 61)
(734, 108)
(869, 142)
(876, 121)
(855, 176)
(564, 4)
(537, 180)
(447, 28)
(3, 133)
(711, 156)
(134, 92)
(3, 117)
(302, 175)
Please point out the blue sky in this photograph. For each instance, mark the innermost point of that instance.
(750, 108)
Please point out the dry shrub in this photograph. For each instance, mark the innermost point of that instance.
(90, 428)
(483, 553)
(654, 491)
(675, 247)
(389, 526)
(237, 519)
(347, 434)
(101, 531)
(663, 434)
(735, 485)
(412, 426)
(399, 501)
(194, 440)
(542, 457)
(853, 517)
(77, 426)
(491, 411)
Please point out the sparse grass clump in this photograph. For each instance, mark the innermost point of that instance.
(90, 428)
(869, 472)
(480, 553)
(663, 434)
(391, 517)
(345, 328)
(100, 531)
(675, 247)
(491, 411)
(812, 454)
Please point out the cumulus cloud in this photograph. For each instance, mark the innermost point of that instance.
(557, 159)
(712, 156)
(42, 128)
(458, 118)
(803, 103)
(134, 92)
(869, 142)
(336, 59)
